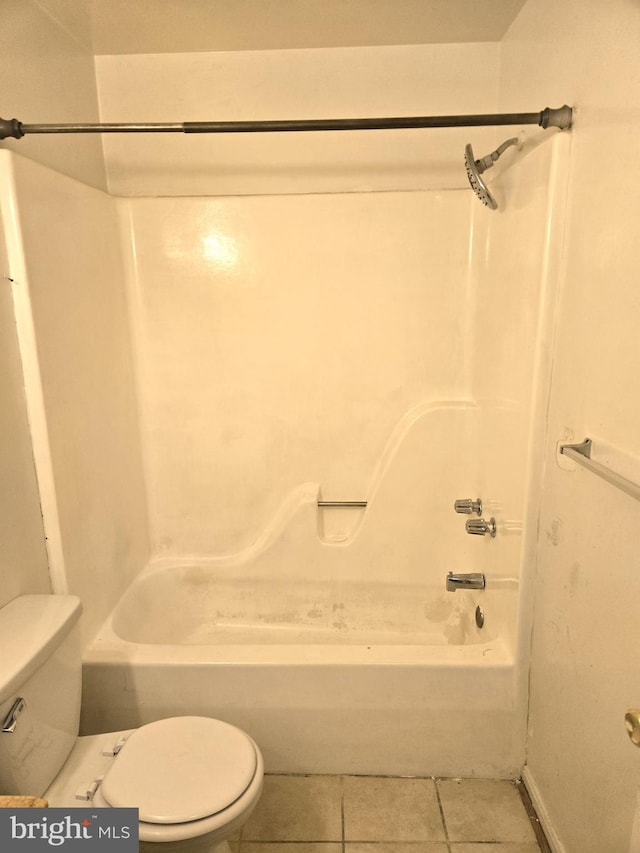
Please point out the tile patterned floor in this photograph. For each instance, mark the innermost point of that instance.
(371, 814)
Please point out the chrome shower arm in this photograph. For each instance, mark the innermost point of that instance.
(487, 162)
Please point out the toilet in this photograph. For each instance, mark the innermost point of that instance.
(195, 780)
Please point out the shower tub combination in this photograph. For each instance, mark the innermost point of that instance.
(306, 643)
(332, 673)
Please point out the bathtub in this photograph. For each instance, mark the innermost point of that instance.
(340, 677)
(331, 638)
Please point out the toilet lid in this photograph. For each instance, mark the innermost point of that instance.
(181, 769)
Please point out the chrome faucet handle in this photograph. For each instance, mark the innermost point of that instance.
(467, 506)
(11, 720)
(480, 527)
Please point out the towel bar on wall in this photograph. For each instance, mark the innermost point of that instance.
(581, 453)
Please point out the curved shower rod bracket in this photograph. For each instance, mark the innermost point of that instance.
(561, 118)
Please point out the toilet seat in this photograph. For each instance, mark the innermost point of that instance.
(165, 769)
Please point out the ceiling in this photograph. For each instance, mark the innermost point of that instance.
(190, 26)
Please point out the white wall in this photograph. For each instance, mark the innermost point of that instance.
(23, 556)
(65, 256)
(585, 674)
(281, 340)
(294, 84)
(48, 76)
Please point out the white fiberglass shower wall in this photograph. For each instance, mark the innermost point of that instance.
(295, 298)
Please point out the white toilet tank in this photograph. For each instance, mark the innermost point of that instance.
(40, 663)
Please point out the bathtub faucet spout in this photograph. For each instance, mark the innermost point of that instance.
(473, 580)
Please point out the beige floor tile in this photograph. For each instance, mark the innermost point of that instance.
(484, 810)
(291, 847)
(507, 847)
(380, 809)
(397, 847)
(297, 808)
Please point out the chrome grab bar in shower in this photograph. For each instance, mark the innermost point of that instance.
(581, 453)
(342, 503)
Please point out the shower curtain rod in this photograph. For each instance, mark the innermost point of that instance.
(561, 117)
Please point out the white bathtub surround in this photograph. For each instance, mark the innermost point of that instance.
(282, 340)
(64, 254)
(22, 540)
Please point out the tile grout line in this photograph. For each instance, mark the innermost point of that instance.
(344, 840)
(447, 843)
(444, 822)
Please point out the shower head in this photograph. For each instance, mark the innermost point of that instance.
(475, 168)
(477, 184)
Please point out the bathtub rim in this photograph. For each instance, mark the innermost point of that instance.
(107, 647)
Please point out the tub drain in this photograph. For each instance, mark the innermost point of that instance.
(479, 616)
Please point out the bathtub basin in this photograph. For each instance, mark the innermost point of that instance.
(339, 678)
